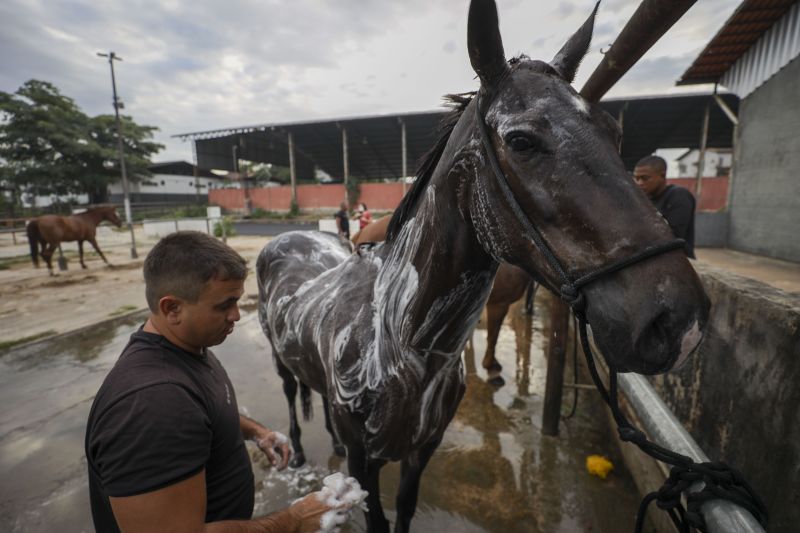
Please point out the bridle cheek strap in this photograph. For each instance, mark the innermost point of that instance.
(570, 288)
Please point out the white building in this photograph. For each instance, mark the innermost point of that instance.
(170, 182)
(717, 163)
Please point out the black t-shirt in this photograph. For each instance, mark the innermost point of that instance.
(161, 416)
(676, 205)
(344, 222)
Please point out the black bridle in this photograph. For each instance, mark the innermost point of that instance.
(720, 480)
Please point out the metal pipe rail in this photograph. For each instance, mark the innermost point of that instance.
(721, 516)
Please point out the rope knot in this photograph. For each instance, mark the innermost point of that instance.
(630, 434)
(571, 295)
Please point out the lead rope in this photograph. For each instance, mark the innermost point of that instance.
(720, 481)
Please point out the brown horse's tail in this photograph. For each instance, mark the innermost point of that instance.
(33, 239)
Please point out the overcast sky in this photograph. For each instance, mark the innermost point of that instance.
(200, 65)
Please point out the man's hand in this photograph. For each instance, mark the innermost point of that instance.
(313, 514)
(275, 446)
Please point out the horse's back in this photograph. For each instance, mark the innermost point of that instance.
(295, 257)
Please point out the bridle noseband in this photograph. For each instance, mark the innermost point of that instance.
(570, 288)
(721, 481)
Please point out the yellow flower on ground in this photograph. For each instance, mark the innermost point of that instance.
(599, 466)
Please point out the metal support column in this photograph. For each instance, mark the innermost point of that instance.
(346, 168)
(292, 170)
(404, 159)
(698, 189)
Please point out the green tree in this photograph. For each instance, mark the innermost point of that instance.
(41, 133)
(49, 146)
(102, 159)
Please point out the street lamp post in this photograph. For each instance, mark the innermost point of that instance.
(125, 189)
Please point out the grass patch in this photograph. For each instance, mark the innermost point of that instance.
(6, 345)
(123, 309)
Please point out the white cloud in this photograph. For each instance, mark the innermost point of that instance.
(203, 64)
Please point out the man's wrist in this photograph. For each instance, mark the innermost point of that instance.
(283, 521)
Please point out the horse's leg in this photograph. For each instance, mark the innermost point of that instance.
(495, 313)
(47, 254)
(338, 447)
(80, 252)
(410, 473)
(290, 390)
(367, 472)
(97, 249)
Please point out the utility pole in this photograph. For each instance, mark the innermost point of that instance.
(125, 189)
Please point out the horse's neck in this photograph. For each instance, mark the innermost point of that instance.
(436, 275)
(91, 216)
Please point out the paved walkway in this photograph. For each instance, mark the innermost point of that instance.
(782, 275)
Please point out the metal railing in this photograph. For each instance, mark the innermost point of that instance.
(721, 516)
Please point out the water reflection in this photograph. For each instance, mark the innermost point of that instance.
(493, 471)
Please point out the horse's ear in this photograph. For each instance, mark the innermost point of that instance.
(569, 58)
(484, 42)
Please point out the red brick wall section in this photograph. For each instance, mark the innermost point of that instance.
(377, 196)
(226, 198)
(387, 196)
(381, 196)
(714, 191)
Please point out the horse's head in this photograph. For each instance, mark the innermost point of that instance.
(559, 157)
(110, 214)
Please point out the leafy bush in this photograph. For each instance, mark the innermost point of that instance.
(227, 223)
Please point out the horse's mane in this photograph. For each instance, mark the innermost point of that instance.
(458, 103)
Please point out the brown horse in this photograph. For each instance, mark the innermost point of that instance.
(51, 230)
(510, 285)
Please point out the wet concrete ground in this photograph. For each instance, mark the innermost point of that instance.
(493, 472)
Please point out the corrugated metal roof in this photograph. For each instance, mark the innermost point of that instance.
(374, 143)
(751, 20)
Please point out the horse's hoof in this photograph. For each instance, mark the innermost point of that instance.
(83, 267)
(298, 460)
(494, 367)
(340, 450)
(496, 380)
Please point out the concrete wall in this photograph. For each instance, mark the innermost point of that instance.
(765, 189)
(711, 229)
(739, 395)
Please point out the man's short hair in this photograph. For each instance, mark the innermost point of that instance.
(655, 162)
(182, 263)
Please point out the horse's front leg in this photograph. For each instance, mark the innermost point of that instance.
(495, 313)
(410, 473)
(338, 447)
(93, 241)
(367, 472)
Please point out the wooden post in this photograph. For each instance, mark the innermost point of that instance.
(556, 357)
(404, 160)
(346, 169)
(698, 189)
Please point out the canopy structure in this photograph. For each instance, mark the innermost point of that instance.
(376, 150)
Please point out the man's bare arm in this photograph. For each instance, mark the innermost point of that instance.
(181, 508)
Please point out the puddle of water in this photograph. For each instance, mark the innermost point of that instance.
(493, 472)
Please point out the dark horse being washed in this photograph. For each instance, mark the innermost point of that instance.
(48, 231)
(379, 332)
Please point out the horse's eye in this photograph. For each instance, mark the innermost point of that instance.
(519, 142)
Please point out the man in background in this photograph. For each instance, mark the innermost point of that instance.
(342, 221)
(675, 204)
